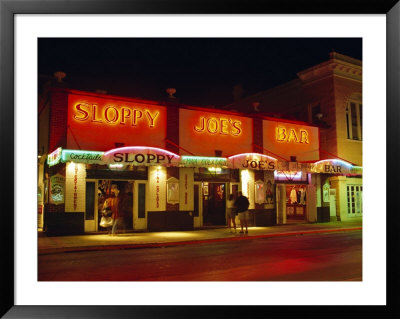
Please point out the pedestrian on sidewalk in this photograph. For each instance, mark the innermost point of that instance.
(230, 212)
(115, 205)
(242, 206)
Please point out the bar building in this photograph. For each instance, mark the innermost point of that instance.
(328, 95)
(177, 164)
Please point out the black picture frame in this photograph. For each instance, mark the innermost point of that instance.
(8, 10)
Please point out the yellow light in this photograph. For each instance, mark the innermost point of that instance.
(245, 177)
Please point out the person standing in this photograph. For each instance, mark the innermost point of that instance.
(230, 207)
(115, 203)
(242, 206)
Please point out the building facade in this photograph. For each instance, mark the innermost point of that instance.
(175, 165)
(328, 95)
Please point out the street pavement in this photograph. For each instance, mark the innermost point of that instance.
(132, 240)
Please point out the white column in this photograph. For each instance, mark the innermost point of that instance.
(281, 204)
(75, 187)
(340, 184)
(247, 179)
(186, 196)
(157, 197)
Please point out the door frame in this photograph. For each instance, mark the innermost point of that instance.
(92, 225)
(140, 223)
(198, 221)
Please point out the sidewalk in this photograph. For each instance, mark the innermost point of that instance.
(52, 245)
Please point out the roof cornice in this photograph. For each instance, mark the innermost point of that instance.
(338, 65)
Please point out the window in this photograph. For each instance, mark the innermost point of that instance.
(354, 200)
(354, 120)
(313, 111)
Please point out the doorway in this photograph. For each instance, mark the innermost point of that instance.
(295, 202)
(214, 205)
(126, 196)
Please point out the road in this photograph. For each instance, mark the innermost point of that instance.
(317, 257)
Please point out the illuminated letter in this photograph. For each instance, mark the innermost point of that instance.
(202, 125)
(170, 157)
(271, 165)
(209, 125)
(116, 115)
(85, 114)
(127, 158)
(94, 111)
(280, 134)
(327, 168)
(118, 157)
(293, 136)
(141, 156)
(123, 116)
(304, 137)
(160, 157)
(150, 157)
(224, 125)
(136, 115)
(236, 125)
(151, 119)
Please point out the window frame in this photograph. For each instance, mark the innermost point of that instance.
(349, 120)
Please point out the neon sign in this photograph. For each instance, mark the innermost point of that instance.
(90, 157)
(291, 135)
(332, 166)
(54, 157)
(112, 115)
(203, 161)
(254, 161)
(222, 126)
(141, 155)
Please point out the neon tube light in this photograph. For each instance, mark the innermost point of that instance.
(134, 148)
(252, 154)
(54, 157)
(187, 157)
(289, 175)
(334, 160)
(115, 165)
(80, 154)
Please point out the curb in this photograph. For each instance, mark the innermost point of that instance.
(50, 251)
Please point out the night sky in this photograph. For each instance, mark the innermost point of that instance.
(204, 71)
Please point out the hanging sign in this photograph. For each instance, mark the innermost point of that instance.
(57, 187)
(141, 156)
(78, 156)
(54, 157)
(332, 166)
(253, 161)
(202, 161)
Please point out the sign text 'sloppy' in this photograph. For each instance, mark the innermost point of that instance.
(110, 114)
(140, 158)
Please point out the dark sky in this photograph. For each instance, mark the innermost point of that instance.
(204, 71)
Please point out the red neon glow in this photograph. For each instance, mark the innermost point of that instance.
(284, 134)
(288, 140)
(97, 123)
(214, 125)
(203, 133)
(111, 114)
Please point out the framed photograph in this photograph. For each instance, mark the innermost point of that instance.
(259, 192)
(173, 191)
(23, 23)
